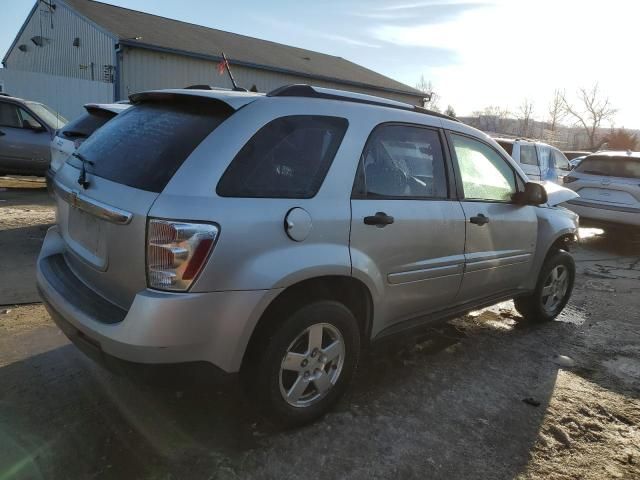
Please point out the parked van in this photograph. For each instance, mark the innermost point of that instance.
(538, 160)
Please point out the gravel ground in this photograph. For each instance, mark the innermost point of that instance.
(484, 396)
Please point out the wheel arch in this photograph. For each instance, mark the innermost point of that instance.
(351, 292)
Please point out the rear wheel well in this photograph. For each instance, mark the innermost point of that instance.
(347, 290)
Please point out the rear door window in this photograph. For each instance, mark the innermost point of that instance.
(528, 155)
(85, 125)
(145, 145)
(287, 158)
(401, 161)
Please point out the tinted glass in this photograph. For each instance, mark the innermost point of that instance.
(561, 161)
(610, 166)
(144, 146)
(508, 146)
(9, 116)
(528, 155)
(47, 114)
(27, 119)
(402, 162)
(485, 174)
(86, 124)
(287, 158)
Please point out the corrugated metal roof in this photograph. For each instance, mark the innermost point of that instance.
(160, 32)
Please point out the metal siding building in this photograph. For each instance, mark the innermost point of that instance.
(57, 55)
(135, 51)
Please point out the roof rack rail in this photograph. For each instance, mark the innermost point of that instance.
(309, 91)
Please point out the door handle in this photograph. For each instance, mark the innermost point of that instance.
(380, 219)
(479, 219)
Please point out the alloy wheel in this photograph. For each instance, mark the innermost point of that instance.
(555, 288)
(312, 365)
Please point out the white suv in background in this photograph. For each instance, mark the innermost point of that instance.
(538, 160)
(71, 136)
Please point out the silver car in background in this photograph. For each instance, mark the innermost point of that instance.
(26, 130)
(609, 187)
(278, 235)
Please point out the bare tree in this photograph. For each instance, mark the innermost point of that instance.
(450, 111)
(492, 119)
(592, 111)
(556, 110)
(525, 111)
(426, 87)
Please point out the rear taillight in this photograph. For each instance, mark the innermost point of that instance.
(568, 179)
(177, 252)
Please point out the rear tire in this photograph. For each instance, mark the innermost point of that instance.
(553, 289)
(304, 365)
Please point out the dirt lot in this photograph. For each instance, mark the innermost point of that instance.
(484, 396)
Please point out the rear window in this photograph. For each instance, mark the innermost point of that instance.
(145, 145)
(86, 124)
(625, 167)
(288, 158)
(508, 146)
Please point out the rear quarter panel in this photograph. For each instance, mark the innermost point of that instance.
(253, 251)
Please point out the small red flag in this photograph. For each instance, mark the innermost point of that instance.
(222, 66)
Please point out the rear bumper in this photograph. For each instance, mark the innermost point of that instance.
(159, 327)
(605, 213)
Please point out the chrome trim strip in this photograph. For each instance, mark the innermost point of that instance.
(91, 206)
(602, 206)
(424, 274)
(476, 265)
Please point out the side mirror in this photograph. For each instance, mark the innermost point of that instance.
(534, 194)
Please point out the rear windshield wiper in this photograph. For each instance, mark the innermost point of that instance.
(82, 179)
(74, 133)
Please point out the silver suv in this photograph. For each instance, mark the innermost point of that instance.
(609, 187)
(277, 236)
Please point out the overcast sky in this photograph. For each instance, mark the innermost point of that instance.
(476, 53)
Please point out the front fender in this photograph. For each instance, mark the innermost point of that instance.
(553, 224)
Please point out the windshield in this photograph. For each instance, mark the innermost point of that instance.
(622, 166)
(47, 114)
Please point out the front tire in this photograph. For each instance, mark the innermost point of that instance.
(553, 289)
(304, 366)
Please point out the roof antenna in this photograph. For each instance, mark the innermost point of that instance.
(224, 65)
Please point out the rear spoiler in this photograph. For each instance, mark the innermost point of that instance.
(232, 100)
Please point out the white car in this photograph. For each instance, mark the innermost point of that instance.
(71, 136)
(609, 187)
(538, 160)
